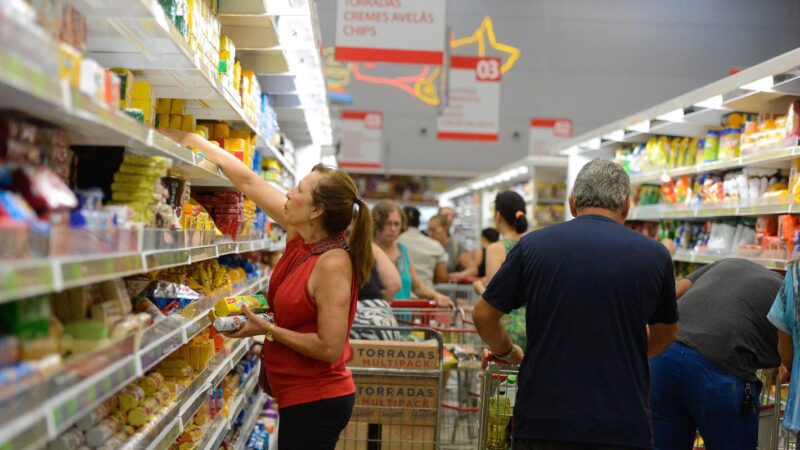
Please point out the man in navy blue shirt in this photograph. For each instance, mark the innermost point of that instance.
(600, 300)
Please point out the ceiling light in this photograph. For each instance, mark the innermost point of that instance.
(714, 102)
(593, 143)
(641, 127)
(616, 135)
(295, 32)
(672, 116)
(763, 84)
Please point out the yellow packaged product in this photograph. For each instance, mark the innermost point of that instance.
(237, 76)
(233, 305)
(221, 131)
(141, 414)
(133, 169)
(162, 121)
(141, 91)
(188, 123)
(203, 129)
(178, 106)
(69, 65)
(235, 145)
(241, 134)
(201, 417)
(175, 121)
(142, 196)
(192, 433)
(151, 383)
(148, 161)
(130, 397)
(164, 106)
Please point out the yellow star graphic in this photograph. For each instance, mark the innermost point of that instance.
(484, 32)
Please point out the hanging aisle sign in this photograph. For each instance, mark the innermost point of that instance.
(546, 133)
(473, 112)
(391, 31)
(362, 140)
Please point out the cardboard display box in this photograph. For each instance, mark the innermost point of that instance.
(395, 355)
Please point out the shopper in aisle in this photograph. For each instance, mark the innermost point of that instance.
(706, 380)
(313, 293)
(427, 254)
(457, 260)
(374, 309)
(785, 315)
(389, 220)
(509, 217)
(488, 237)
(591, 287)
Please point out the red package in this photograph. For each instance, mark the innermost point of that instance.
(44, 190)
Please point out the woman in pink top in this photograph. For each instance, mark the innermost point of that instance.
(313, 294)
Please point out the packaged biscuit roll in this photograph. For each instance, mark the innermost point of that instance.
(130, 397)
(94, 417)
(233, 305)
(71, 439)
(233, 323)
(141, 414)
(151, 383)
(104, 430)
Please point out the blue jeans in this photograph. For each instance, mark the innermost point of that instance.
(689, 393)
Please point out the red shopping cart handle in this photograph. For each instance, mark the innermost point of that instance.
(463, 280)
(418, 303)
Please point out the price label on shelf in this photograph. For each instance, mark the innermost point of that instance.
(76, 273)
(203, 253)
(225, 249)
(153, 355)
(86, 397)
(18, 279)
(163, 260)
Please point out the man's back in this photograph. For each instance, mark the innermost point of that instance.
(724, 316)
(590, 286)
(425, 253)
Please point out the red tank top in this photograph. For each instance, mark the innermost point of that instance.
(293, 378)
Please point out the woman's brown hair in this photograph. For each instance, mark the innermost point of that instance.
(338, 194)
(381, 211)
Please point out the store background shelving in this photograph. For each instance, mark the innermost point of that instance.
(526, 177)
(770, 88)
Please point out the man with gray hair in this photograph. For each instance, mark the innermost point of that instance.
(600, 300)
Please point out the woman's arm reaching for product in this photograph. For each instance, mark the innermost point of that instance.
(254, 187)
(329, 285)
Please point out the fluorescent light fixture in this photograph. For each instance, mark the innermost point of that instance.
(295, 32)
(763, 84)
(641, 127)
(665, 178)
(714, 102)
(616, 135)
(593, 143)
(672, 116)
(329, 160)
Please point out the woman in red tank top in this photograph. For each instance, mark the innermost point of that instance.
(313, 294)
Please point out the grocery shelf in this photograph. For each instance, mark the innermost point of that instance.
(249, 422)
(274, 152)
(29, 277)
(764, 159)
(709, 258)
(24, 88)
(660, 212)
(137, 35)
(62, 400)
(550, 201)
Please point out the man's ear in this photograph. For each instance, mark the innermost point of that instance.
(626, 208)
(572, 209)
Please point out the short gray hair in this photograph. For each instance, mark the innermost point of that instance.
(601, 184)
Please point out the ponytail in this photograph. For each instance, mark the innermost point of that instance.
(361, 243)
(520, 222)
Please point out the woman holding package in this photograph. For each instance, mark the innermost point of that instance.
(313, 295)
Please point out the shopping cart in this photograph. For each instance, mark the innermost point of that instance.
(460, 290)
(463, 348)
(398, 391)
(771, 435)
(496, 407)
